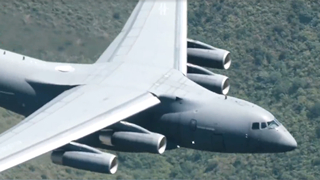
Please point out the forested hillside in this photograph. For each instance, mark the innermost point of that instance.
(275, 48)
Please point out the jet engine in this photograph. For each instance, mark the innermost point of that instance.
(194, 69)
(213, 58)
(96, 162)
(216, 83)
(203, 54)
(134, 141)
(198, 44)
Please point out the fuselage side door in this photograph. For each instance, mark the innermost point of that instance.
(253, 139)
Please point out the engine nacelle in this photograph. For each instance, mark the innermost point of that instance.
(194, 69)
(134, 142)
(96, 162)
(198, 44)
(213, 58)
(216, 83)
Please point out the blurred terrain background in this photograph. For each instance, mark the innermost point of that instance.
(275, 48)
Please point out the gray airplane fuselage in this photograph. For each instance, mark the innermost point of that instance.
(202, 120)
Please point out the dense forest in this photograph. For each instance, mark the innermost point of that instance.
(275, 48)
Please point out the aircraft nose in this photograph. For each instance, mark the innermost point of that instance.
(279, 140)
(288, 143)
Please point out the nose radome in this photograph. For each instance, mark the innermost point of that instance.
(288, 142)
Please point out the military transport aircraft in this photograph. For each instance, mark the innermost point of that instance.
(148, 92)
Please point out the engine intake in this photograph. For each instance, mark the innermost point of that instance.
(216, 83)
(134, 142)
(101, 162)
(213, 58)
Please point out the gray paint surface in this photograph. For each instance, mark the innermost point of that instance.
(140, 78)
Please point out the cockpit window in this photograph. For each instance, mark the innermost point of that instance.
(277, 122)
(273, 124)
(255, 126)
(263, 125)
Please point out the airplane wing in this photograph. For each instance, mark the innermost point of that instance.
(70, 116)
(152, 43)
(161, 23)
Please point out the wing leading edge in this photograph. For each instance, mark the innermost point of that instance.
(154, 36)
(70, 117)
(155, 33)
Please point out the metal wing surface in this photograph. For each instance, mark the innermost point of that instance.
(70, 116)
(155, 34)
(151, 44)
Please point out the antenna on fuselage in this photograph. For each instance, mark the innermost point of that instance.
(225, 97)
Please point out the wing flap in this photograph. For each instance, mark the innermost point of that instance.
(70, 122)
